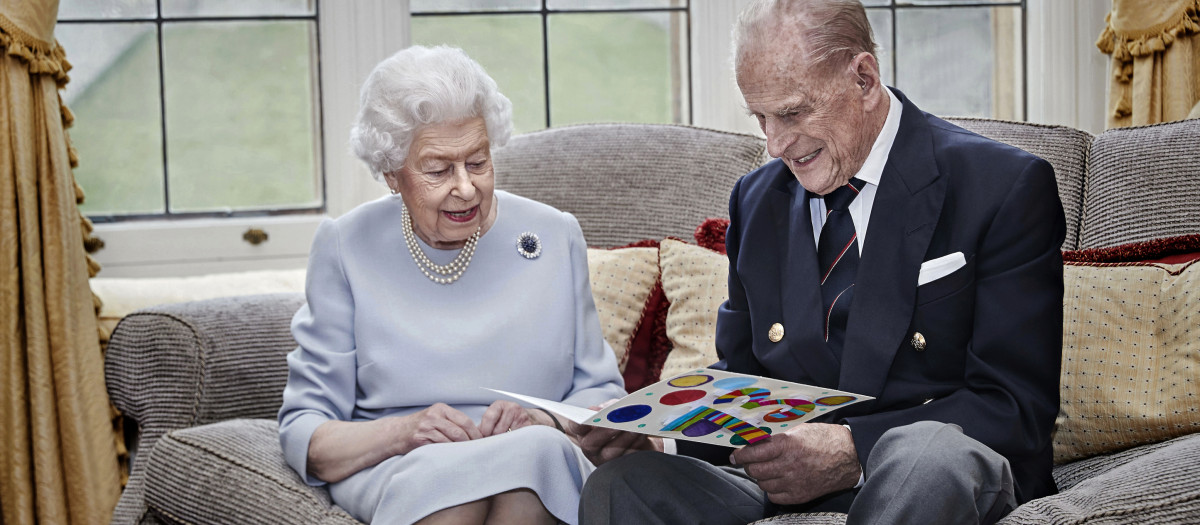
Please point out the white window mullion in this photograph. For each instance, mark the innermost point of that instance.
(716, 100)
(1067, 74)
(355, 36)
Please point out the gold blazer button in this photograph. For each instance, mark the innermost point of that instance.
(775, 334)
(918, 342)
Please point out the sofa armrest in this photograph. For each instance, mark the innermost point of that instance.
(1149, 484)
(176, 366)
(233, 471)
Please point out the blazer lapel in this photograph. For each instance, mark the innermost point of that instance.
(903, 216)
(800, 293)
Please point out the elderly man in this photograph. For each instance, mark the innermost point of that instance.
(885, 252)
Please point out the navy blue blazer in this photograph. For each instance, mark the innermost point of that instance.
(993, 328)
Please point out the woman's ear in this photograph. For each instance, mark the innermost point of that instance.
(392, 179)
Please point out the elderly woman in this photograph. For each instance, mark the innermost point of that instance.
(420, 301)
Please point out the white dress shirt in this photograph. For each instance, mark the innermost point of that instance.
(870, 172)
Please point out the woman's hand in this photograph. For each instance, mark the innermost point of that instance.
(439, 423)
(338, 449)
(503, 416)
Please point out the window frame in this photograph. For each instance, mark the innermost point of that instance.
(1060, 89)
(160, 23)
(545, 12)
(354, 38)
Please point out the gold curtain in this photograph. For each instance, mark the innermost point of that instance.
(1155, 50)
(57, 457)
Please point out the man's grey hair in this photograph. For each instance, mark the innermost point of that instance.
(833, 31)
(416, 87)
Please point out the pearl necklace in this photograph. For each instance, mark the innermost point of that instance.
(438, 273)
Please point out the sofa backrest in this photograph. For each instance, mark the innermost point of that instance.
(1143, 183)
(1066, 149)
(628, 182)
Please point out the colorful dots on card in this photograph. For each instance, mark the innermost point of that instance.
(835, 400)
(690, 380)
(754, 394)
(738, 440)
(734, 383)
(680, 397)
(629, 413)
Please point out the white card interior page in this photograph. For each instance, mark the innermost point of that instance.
(572, 412)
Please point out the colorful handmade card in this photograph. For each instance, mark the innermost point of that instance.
(712, 406)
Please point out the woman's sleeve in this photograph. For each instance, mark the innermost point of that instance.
(597, 378)
(322, 369)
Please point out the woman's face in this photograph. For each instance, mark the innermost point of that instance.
(447, 182)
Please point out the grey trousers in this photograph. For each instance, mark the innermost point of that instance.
(922, 473)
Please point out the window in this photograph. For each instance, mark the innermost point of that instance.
(954, 57)
(189, 108)
(570, 61)
(560, 61)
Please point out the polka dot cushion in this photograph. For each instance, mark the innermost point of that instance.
(621, 283)
(1131, 357)
(695, 281)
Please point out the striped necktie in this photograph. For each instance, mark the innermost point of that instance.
(837, 253)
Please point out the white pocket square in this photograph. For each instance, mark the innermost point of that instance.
(935, 269)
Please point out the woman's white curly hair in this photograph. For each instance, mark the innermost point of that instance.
(416, 87)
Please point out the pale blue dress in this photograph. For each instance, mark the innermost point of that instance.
(377, 339)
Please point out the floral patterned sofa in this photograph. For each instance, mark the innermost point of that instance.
(199, 382)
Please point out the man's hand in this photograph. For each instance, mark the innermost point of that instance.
(809, 462)
(602, 445)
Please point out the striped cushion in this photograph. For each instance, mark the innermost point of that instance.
(1144, 183)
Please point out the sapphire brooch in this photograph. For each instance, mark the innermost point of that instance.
(528, 245)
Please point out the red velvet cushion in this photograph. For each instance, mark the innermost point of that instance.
(1168, 250)
(711, 234)
(649, 346)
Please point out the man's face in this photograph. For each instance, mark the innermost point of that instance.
(815, 120)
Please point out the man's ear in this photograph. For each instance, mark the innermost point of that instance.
(865, 70)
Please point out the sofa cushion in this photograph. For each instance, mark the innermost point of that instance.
(232, 472)
(1158, 486)
(627, 182)
(1142, 184)
(622, 280)
(695, 282)
(1064, 148)
(815, 518)
(1131, 361)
